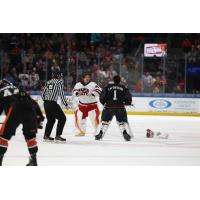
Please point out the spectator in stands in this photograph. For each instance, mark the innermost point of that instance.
(186, 45)
(192, 55)
(147, 83)
(8, 76)
(24, 81)
(68, 80)
(34, 80)
(178, 89)
(138, 86)
(14, 75)
(82, 60)
(110, 73)
(124, 71)
(94, 69)
(157, 85)
(97, 52)
(41, 68)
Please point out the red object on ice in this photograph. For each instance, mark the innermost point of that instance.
(150, 133)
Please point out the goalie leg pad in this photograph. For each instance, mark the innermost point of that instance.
(94, 117)
(80, 123)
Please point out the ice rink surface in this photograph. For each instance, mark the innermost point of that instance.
(181, 148)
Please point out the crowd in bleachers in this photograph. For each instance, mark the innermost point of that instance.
(27, 56)
(27, 59)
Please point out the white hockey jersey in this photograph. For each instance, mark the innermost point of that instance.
(86, 94)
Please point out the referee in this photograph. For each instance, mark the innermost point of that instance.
(50, 93)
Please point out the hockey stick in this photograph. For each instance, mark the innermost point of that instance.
(131, 106)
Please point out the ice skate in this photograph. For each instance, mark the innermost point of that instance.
(32, 161)
(48, 139)
(99, 136)
(59, 139)
(126, 136)
(1, 160)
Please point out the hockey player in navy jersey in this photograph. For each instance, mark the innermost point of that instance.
(114, 98)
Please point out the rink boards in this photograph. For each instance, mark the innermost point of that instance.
(164, 106)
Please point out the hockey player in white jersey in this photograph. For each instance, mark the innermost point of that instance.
(87, 92)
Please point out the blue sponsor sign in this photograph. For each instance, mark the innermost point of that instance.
(160, 104)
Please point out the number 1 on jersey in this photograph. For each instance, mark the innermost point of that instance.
(115, 95)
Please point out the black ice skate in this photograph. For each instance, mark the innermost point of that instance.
(59, 139)
(99, 136)
(48, 139)
(126, 136)
(1, 160)
(32, 161)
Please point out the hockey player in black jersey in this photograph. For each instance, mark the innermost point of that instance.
(114, 97)
(20, 109)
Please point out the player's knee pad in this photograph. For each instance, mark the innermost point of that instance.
(3, 145)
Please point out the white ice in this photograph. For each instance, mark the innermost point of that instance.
(181, 148)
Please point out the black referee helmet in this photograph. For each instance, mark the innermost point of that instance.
(56, 74)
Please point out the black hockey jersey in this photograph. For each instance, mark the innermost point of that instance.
(115, 96)
(9, 94)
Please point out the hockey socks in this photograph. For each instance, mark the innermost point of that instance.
(33, 149)
(3, 148)
(32, 146)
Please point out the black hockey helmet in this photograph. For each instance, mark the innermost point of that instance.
(4, 83)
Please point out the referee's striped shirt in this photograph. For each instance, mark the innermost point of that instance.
(52, 90)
